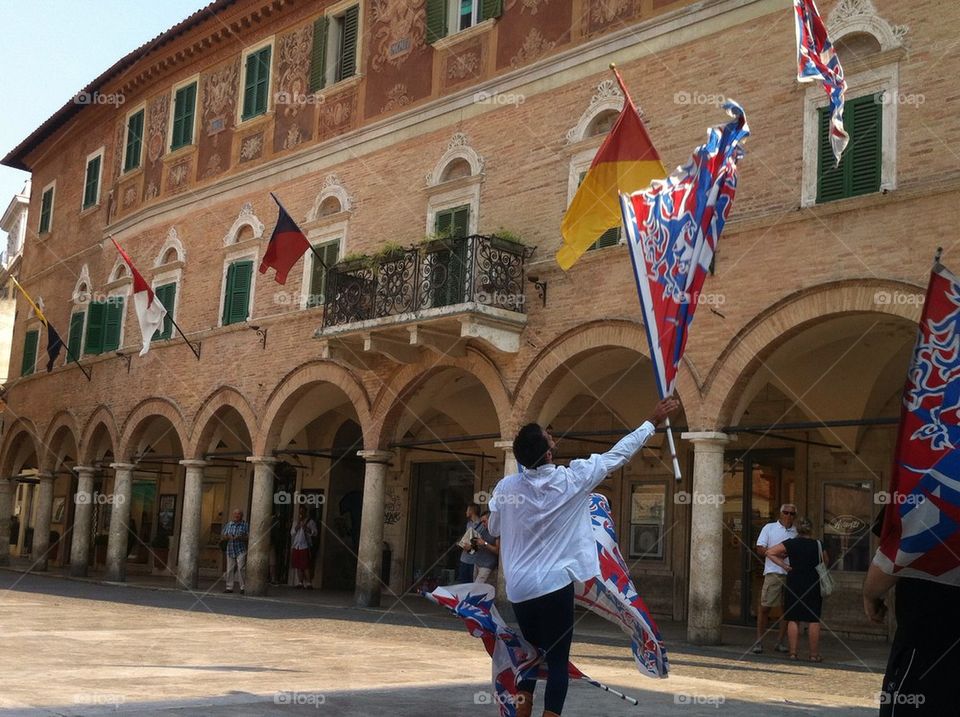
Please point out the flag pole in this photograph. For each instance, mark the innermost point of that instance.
(673, 450)
(312, 247)
(195, 349)
(86, 371)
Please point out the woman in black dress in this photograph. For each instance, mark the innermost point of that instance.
(802, 601)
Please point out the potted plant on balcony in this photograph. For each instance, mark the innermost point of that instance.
(389, 252)
(354, 262)
(160, 547)
(436, 242)
(506, 240)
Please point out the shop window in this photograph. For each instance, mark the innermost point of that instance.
(648, 508)
(847, 516)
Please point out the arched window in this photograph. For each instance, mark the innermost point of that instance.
(456, 169)
(330, 205)
(601, 123)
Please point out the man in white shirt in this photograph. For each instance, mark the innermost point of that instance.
(774, 577)
(542, 516)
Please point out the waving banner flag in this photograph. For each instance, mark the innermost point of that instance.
(921, 529)
(817, 60)
(613, 596)
(150, 312)
(54, 342)
(513, 657)
(625, 162)
(672, 232)
(287, 244)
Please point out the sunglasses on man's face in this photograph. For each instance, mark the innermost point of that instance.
(789, 512)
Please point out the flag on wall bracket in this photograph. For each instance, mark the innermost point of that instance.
(287, 244)
(54, 342)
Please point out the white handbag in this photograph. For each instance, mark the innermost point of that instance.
(826, 579)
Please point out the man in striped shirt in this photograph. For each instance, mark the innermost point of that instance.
(236, 533)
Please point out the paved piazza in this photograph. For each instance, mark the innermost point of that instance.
(81, 648)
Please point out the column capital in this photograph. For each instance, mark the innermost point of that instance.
(84, 469)
(376, 456)
(263, 460)
(504, 445)
(123, 466)
(193, 463)
(46, 475)
(708, 438)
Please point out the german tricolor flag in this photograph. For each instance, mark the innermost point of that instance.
(626, 162)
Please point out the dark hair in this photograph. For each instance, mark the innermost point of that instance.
(475, 507)
(530, 447)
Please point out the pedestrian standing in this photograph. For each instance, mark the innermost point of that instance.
(488, 551)
(303, 532)
(774, 576)
(468, 558)
(236, 533)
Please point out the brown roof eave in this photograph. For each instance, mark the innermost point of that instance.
(17, 157)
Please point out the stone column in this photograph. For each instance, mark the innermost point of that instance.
(41, 529)
(6, 509)
(706, 538)
(82, 522)
(261, 511)
(118, 545)
(509, 468)
(370, 554)
(26, 515)
(188, 562)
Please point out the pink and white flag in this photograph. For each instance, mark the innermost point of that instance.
(150, 312)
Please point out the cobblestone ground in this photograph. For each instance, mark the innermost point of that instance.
(80, 648)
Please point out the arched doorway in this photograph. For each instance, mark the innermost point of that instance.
(816, 415)
(22, 465)
(63, 453)
(340, 534)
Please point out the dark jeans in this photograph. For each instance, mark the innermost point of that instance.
(464, 572)
(547, 622)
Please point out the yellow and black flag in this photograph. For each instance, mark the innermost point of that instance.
(54, 342)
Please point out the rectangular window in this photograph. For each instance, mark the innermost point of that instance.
(30, 343)
(442, 15)
(236, 295)
(860, 168)
(256, 83)
(46, 210)
(75, 337)
(611, 237)
(134, 143)
(847, 516)
(184, 112)
(166, 295)
(329, 252)
(335, 39)
(648, 508)
(348, 27)
(467, 15)
(91, 185)
(104, 326)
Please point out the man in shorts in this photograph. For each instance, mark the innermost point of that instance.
(774, 577)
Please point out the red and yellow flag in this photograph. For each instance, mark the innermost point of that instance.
(626, 162)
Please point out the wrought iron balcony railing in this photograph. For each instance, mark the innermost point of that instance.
(481, 269)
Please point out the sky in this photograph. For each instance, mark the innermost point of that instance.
(52, 48)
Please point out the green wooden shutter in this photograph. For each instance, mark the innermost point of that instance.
(865, 148)
(490, 8)
(93, 344)
(46, 211)
(75, 337)
(91, 186)
(112, 324)
(436, 20)
(134, 141)
(263, 81)
(318, 54)
(236, 304)
(166, 295)
(184, 110)
(830, 183)
(249, 86)
(461, 222)
(30, 343)
(347, 56)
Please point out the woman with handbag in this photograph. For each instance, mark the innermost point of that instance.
(803, 601)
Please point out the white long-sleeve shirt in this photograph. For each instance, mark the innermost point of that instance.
(542, 516)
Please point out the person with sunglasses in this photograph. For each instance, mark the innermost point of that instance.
(774, 576)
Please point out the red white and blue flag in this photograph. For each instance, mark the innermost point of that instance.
(287, 244)
(672, 230)
(921, 529)
(817, 60)
(613, 595)
(514, 659)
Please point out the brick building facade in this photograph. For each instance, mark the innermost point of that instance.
(388, 126)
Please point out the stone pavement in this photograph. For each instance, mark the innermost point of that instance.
(83, 648)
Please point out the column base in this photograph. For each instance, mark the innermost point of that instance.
(703, 635)
(366, 598)
(78, 570)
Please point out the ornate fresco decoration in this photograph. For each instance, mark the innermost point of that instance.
(128, 195)
(214, 165)
(397, 97)
(118, 151)
(534, 46)
(398, 28)
(606, 12)
(152, 191)
(531, 5)
(157, 127)
(251, 147)
(179, 175)
(293, 62)
(337, 114)
(464, 64)
(218, 97)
